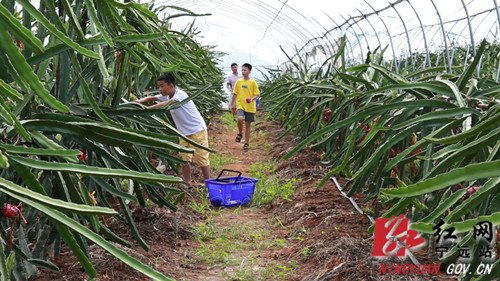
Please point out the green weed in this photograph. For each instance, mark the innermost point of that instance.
(219, 244)
(219, 160)
(270, 187)
(233, 246)
(229, 119)
(201, 205)
(259, 138)
(149, 203)
(158, 261)
(205, 230)
(305, 253)
(217, 253)
(243, 274)
(189, 262)
(279, 243)
(280, 272)
(275, 221)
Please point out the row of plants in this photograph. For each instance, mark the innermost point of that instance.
(457, 57)
(422, 143)
(73, 147)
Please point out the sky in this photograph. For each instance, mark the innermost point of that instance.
(253, 31)
(257, 31)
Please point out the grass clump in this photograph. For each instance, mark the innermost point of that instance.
(229, 119)
(270, 187)
(219, 160)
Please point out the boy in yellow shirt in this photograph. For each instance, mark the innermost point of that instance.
(245, 92)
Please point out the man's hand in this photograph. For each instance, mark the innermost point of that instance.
(146, 99)
(233, 109)
(162, 104)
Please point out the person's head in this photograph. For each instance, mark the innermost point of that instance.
(246, 68)
(166, 84)
(234, 67)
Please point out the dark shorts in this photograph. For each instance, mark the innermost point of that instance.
(249, 117)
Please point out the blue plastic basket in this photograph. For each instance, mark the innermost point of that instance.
(230, 191)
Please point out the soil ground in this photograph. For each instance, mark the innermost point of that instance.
(317, 235)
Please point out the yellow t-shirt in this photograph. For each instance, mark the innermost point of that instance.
(244, 89)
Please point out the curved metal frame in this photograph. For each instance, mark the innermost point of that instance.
(406, 32)
(497, 8)
(470, 27)
(302, 34)
(316, 24)
(357, 38)
(390, 37)
(348, 42)
(427, 55)
(363, 58)
(291, 22)
(443, 30)
(374, 30)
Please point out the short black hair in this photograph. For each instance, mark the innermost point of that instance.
(233, 64)
(167, 78)
(247, 65)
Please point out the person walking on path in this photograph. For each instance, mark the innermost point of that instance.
(245, 92)
(233, 77)
(188, 121)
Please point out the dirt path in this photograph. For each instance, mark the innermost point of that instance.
(241, 240)
(222, 141)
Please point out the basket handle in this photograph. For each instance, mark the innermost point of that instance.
(228, 170)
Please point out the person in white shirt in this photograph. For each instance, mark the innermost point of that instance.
(233, 77)
(188, 121)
